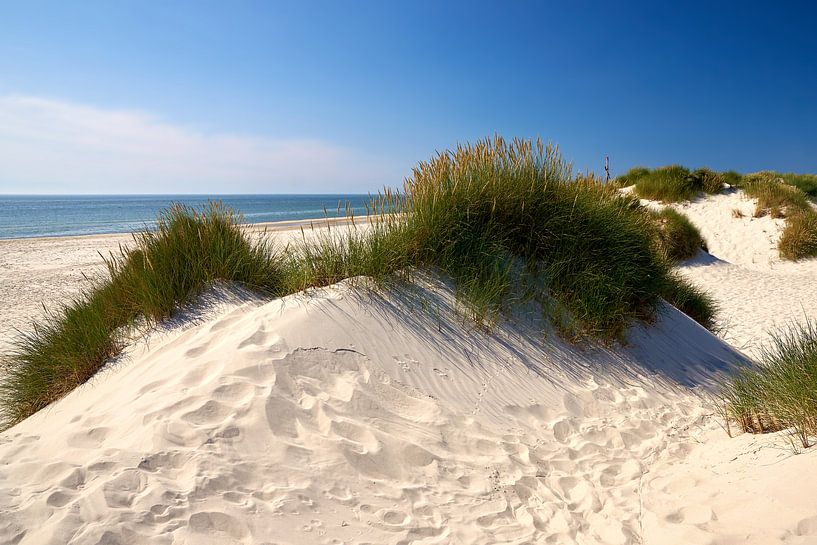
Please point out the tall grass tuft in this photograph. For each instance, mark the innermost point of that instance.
(675, 183)
(778, 199)
(677, 238)
(166, 268)
(780, 392)
(671, 183)
(807, 183)
(632, 176)
(475, 211)
(799, 238)
(774, 197)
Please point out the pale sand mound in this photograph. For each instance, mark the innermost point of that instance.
(350, 417)
(758, 292)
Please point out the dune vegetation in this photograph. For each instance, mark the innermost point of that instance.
(677, 237)
(778, 199)
(672, 183)
(507, 222)
(778, 393)
(786, 195)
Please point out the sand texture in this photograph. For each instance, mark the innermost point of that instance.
(346, 415)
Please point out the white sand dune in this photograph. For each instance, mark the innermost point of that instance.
(358, 418)
(758, 291)
(351, 416)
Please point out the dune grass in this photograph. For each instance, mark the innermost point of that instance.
(778, 199)
(807, 183)
(632, 176)
(166, 268)
(781, 391)
(799, 238)
(505, 221)
(673, 183)
(677, 237)
(774, 197)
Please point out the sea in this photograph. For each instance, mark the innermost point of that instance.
(24, 216)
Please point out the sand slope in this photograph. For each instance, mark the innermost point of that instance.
(333, 417)
(349, 416)
(758, 292)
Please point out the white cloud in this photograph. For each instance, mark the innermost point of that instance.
(51, 146)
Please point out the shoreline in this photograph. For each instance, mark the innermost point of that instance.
(271, 226)
(38, 272)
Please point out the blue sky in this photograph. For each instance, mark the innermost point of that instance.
(269, 97)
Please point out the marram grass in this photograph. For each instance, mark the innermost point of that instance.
(166, 268)
(674, 183)
(506, 221)
(781, 391)
(778, 199)
(677, 237)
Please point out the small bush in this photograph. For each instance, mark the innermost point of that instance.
(677, 238)
(799, 238)
(779, 392)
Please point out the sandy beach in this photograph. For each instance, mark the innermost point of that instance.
(47, 271)
(352, 416)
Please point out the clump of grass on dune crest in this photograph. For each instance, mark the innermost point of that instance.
(382, 249)
(779, 392)
(667, 184)
(774, 197)
(807, 183)
(166, 268)
(799, 238)
(505, 221)
(675, 183)
(475, 211)
(778, 199)
(632, 176)
(677, 237)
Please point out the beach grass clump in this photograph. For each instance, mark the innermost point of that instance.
(326, 256)
(632, 176)
(677, 237)
(187, 251)
(774, 197)
(480, 209)
(671, 183)
(707, 180)
(675, 183)
(807, 183)
(780, 392)
(692, 301)
(799, 237)
(166, 268)
(732, 178)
